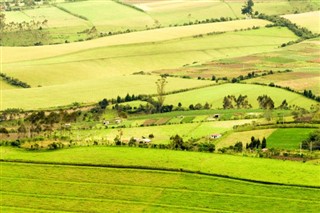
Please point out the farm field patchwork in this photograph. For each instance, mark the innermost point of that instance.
(101, 189)
(161, 133)
(48, 76)
(155, 35)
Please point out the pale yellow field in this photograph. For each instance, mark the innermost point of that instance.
(89, 91)
(310, 20)
(13, 54)
(244, 137)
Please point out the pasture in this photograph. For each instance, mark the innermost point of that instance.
(214, 95)
(114, 190)
(288, 138)
(269, 170)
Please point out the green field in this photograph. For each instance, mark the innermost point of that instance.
(288, 138)
(235, 166)
(124, 190)
(214, 95)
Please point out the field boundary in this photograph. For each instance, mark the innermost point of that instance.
(165, 169)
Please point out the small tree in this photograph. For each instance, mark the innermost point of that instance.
(247, 8)
(264, 143)
(176, 142)
(161, 83)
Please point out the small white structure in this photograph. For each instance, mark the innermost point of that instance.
(146, 140)
(215, 136)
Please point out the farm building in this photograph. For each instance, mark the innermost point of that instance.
(215, 136)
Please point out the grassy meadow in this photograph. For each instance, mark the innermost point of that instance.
(214, 95)
(235, 166)
(114, 190)
(288, 138)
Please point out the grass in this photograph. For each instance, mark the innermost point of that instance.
(235, 166)
(288, 138)
(244, 137)
(309, 20)
(114, 190)
(214, 95)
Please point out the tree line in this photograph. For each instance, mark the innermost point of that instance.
(14, 81)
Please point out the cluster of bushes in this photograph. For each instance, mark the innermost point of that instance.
(236, 148)
(313, 141)
(301, 32)
(205, 21)
(176, 143)
(14, 81)
(255, 75)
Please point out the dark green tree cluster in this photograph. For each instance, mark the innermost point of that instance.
(231, 102)
(265, 102)
(301, 32)
(247, 9)
(256, 143)
(177, 143)
(313, 141)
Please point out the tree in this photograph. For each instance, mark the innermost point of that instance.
(264, 143)
(213, 78)
(247, 8)
(127, 98)
(228, 102)
(176, 142)
(161, 83)
(265, 102)
(104, 103)
(284, 105)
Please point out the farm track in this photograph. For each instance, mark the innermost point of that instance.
(149, 168)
